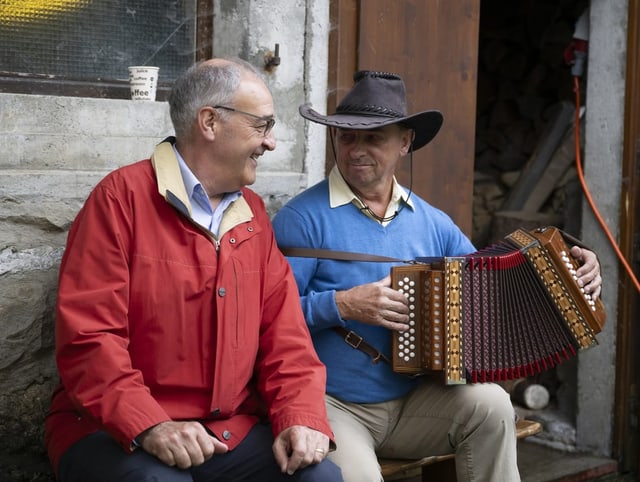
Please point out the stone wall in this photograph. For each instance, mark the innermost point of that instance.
(55, 150)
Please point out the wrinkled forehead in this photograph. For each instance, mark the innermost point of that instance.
(253, 93)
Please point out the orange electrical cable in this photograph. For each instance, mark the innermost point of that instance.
(614, 244)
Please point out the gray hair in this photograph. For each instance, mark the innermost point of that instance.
(205, 84)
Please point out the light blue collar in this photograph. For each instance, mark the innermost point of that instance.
(202, 213)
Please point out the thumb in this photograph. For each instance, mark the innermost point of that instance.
(219, 447)
(386, 281)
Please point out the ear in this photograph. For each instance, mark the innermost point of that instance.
(208, 121)
(407, 139)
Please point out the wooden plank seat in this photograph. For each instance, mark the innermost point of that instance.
(430, 468)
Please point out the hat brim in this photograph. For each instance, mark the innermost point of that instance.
(425, 124)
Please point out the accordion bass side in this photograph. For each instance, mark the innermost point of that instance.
(508, 311)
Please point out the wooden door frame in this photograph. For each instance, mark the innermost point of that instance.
(626, 443)
(343, 57)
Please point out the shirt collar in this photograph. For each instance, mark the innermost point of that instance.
(340, 193)
(191, 182)
(189, 179)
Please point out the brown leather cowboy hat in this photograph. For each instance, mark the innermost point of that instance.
(378, 99)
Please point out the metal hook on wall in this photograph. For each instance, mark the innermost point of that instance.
(272, 59)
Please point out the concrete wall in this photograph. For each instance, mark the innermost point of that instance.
(301, 29)
(604, 134)
(55, 149)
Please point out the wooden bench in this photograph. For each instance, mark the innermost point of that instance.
(441, 467)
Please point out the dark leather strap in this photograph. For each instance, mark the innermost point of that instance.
(572, 240)
(339, 255)
(354, 340)
(351, 338)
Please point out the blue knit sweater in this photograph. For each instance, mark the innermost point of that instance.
(308, 221)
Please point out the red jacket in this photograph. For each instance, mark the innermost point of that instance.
(153, 323)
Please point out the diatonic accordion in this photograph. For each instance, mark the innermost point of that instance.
(508, 311)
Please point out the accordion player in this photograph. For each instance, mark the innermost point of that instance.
(508, 311)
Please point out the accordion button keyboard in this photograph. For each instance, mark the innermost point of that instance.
(406, 345)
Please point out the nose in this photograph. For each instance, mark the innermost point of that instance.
(269, 141)
(357, 148)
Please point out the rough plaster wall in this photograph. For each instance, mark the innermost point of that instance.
(603, 168)
(300, 28)
(55, 149)
(316, 67)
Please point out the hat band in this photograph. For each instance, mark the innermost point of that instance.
(368, 109)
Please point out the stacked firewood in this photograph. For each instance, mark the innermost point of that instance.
(524, 171)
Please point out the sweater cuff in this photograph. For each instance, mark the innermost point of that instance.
(325, 312)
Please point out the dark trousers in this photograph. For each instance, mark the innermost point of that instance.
(98, 458)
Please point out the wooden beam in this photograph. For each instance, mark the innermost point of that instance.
(626, 439)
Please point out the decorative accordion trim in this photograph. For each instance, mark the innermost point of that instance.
(508, 311)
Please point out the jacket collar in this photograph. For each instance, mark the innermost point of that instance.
(171, 188)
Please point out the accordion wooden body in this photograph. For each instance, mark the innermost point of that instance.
(508, 311)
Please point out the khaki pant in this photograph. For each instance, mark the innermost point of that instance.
(476, 422)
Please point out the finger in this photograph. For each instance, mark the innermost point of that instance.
(588, 273)
(593, 285)
(302, 443)
(589, 277)
(219, 447)
(198, 445)
(596, 293)
(297, 461)
(156, 446)
(399, 300)
(393, 316)
(587, 259)
(390, 325)
(280, 454)
(577, 252)
(588, 269)
(318, 455)
(208, 445)
(582, 256)
(182, 458)
(321, 444)
(164, 455)
(390, 320)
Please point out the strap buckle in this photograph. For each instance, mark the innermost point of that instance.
(353, 339)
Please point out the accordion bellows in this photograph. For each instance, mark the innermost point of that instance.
(508, 311)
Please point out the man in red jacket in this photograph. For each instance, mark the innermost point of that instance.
(181, 346)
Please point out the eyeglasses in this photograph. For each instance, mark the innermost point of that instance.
(269, 121)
